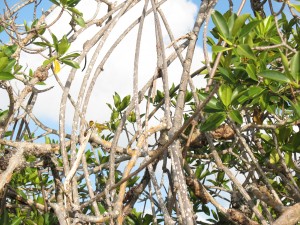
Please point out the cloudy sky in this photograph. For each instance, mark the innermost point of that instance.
(118, 71)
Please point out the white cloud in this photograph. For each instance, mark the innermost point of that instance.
(118, 71)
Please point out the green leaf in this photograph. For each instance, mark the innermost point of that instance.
(55, 42)
(297, 7)
(220, 23)
(79, 20)
(4, 217)
(10, 65)
(6, 76)
(76, 11)
(295, 67)
(218, 48)
(48, 61)
(246, 51)
(248, 28)
(72, 3)
(71, 63)
(16, 221)
(9, 50)
(227, 74)
(42, 44)
(248, 94)
(125, 102)
(70, 56)
(236, 116)
(214, 105)
(63, 45)
(251, 70)
(225, 93)
(238, 23)
(213, 121)
(3, 62)
(117, 99)
(275, 75)
(285, 61)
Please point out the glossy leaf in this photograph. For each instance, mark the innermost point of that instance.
(213, 121)
(220, 23)
(275, 75)
(225, 93)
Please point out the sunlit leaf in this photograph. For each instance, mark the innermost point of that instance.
(218, 48)
(238, 23)
(220, 23)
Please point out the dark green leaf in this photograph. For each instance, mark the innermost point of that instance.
(275, 75)
(213, 121)
(6, 76)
